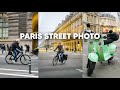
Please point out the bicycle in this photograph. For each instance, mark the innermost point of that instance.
(61, 57)
(24, 58)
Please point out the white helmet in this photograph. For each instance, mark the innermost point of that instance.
(17, 40)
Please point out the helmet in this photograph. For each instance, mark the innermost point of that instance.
(88, 25)
(17, 40)
(110, 31)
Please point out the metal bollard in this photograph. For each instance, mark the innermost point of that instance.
(30, 67)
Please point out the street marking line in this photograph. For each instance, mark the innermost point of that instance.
(84, 55)
(76, 54)
(117, 58)
(10, 74)
(80, 70)
(17, 70)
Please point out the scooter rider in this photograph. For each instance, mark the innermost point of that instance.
(60, 50)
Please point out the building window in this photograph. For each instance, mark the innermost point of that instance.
(0, 20)
(91, 19)
(72, 25)
(5, 32)
(95, 19)
(0, 32)
(80, 21)
(69, 29)
(87, 18)
(76, 23)
(3, 26)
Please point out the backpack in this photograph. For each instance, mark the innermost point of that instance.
(115, 36)
(65, 56)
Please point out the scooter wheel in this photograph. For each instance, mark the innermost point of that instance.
(91, 68)
(109, 61)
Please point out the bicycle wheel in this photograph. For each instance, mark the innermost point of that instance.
(24, 59)
(55, 60)
(9, 59)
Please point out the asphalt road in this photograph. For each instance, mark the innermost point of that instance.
(17, 70)
(71, 69)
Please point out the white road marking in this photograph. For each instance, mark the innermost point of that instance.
(2, 56)
(80, 70)
(84, 55)
(117, 58)
(52, 55)
(19, 75)
(17, 70)
(76, 54)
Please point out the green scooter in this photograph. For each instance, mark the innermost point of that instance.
(98, 51)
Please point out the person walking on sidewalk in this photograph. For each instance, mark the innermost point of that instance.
(8, 48)
(3, 48)
(27, 48)
(46, 49)
(21, 47)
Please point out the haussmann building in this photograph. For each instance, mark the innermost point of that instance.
(76, 22)
(14, 23)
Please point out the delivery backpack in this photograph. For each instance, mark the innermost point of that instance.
(115, 36)
(65, 56)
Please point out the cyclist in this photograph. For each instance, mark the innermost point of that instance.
(16, 49)
(60, 50)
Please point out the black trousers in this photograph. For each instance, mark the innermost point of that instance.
(108, 41)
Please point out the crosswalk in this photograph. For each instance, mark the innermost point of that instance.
(18, 70)
(18, 73)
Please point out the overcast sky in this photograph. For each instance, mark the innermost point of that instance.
(48, 21)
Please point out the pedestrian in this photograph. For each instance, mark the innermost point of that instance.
(75, 49)
(3, 48)
(25, 48)
(21, 47)
(72, 50)
(28, 47)
(46, 49)
(8, 48)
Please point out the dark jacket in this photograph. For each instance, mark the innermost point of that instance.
(15, 45)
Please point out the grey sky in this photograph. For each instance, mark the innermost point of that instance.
(48, 21)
